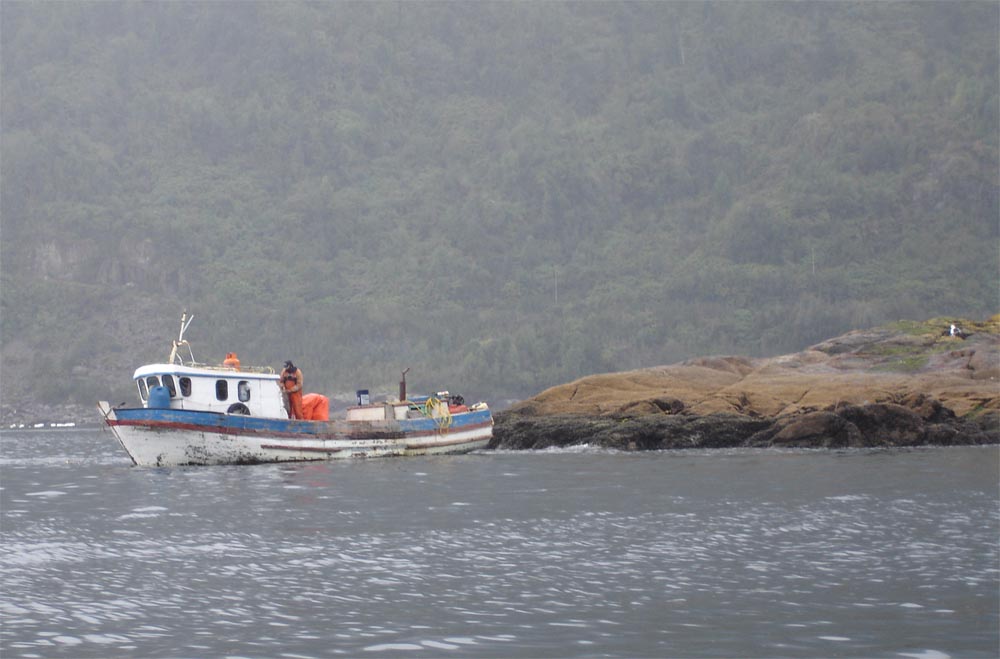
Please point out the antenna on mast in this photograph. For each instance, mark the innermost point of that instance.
(184, 325)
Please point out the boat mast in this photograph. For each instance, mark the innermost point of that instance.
(185, 321)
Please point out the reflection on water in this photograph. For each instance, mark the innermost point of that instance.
(559, 553)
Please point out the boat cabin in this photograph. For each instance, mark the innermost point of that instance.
(210, 389)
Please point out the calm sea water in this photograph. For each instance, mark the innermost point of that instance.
(554, 554)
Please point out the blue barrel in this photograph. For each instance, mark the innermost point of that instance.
(159, 397)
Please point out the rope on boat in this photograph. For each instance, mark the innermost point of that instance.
(444, 420)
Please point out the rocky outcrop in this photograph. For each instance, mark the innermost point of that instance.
(853, 426)
(909, 384)
(647, 432)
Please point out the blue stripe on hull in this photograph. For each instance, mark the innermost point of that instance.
(340, 429)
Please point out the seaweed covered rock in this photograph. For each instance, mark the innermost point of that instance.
(906, 384)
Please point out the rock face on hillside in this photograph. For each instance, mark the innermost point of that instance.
(908, 384)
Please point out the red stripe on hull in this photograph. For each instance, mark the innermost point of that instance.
(315, 449)
(448, 443)
(445, 431)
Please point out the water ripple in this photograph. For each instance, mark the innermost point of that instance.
(505, 555)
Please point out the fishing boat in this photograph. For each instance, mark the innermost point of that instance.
(200, 414)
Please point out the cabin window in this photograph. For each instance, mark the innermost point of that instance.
(143, 392)
(243, 390)
(185, 386)
(153, 381)
(221, 390)
(168, 382)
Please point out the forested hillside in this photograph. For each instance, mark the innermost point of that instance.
(500, 196)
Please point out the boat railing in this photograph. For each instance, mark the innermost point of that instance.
(222, 367)
(177, 358)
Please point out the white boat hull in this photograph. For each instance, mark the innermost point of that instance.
(176, 437)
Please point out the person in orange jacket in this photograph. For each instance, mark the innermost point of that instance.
(291, 380)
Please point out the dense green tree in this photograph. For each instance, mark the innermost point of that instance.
(499, 196)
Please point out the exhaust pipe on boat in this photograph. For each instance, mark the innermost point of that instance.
(402, 386)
